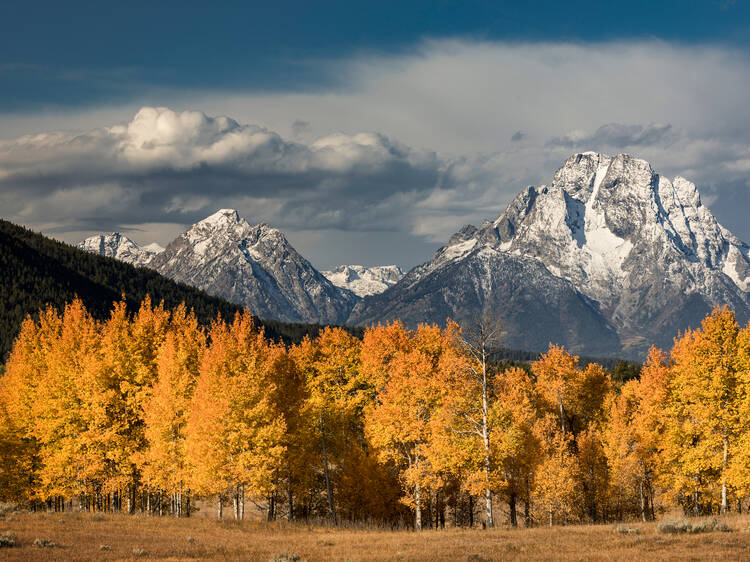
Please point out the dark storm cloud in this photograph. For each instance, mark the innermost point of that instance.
(299, 127)
(165, 166)
(617, 135)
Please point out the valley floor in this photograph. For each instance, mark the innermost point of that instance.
(81, 536)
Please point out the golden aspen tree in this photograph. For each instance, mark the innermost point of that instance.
(593, 472)
(207, 456)
(622, 448)
(24, 370)
(465, 445)
(167, 406)
(577, 398)
(336, 396)
(400, 425)
(705, 392)
(556, 374)
(477, 341)
(556, 494)
(517, 449)
(147, 332)
(634, 434)
(380, 349)
(739, 464)
(16, 460)
(289, 397)
(653, 395)
(235, 435)
(109, 438)
(57, 411)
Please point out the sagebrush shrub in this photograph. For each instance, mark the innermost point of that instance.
(625, 530)
(677, 526)
(286, 557)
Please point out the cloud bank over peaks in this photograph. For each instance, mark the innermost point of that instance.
(166, 165)
(617, 135)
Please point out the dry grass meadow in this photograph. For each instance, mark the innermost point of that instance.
(83, 536)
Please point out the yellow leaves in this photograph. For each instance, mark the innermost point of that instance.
(235, 433)
(705, 394)
(556, 493)
(400, 425)
(330, 366)
(150, 398)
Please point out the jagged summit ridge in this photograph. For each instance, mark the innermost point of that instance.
(364, 281)
(641, 250)
(251, 265)
(119, 246)
(256, 266)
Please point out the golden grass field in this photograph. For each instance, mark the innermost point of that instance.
(81, 536)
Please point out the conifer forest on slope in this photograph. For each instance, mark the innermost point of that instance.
(36, 271)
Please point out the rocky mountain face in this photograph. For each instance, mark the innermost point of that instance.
(119, 246)
(364, 281)
(608, 258)
(251, 265)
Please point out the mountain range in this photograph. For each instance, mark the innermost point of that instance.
(608, 258)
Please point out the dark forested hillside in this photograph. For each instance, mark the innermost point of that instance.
(36, 271)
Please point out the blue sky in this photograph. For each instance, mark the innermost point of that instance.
(81, 53)
(371, 131)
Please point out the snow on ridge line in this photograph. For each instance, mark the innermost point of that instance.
(364, 281)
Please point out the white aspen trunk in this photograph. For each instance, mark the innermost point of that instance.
(417, 508)
(329, 491)
(291, 502)
(220, 507)
(724, 478)
(489, 520)
(236, 499)
(643, 500)
(242, 501)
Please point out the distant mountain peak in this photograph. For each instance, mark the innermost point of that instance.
(256, 266)
(118, 246)
(220, 217)
(251, 265)
(364, 281)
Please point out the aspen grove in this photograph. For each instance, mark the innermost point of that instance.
(149, 412)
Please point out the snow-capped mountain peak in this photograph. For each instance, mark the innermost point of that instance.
(253, 265)
(220, 218)
(119, 246)
(641, 250)
(364, 281)
(153, 248)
